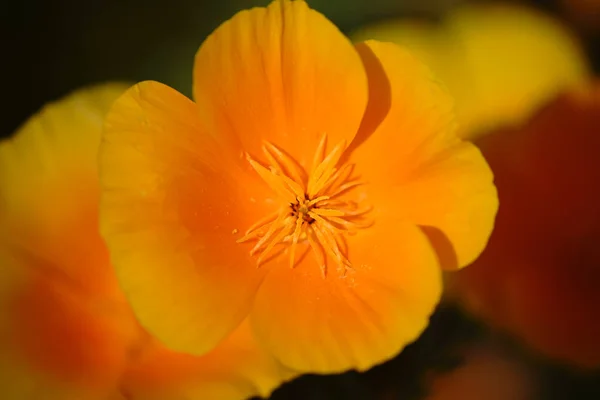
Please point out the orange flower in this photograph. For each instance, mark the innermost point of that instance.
(539, 276)
(66, 330)
(299, 189)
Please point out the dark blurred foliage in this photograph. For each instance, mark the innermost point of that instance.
(51, 47)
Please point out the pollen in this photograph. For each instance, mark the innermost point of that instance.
(317, 209)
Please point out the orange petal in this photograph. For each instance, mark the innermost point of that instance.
(336, 323)
(170, 214)
(236, 369)
(431, 178)
(283, 74)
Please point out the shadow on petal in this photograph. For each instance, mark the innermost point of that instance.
(442, 246)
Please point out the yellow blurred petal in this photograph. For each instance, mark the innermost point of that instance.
(48, 185)
(513, 70)
(500, 62)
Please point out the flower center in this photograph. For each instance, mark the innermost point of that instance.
(302, 209)
(316, 209)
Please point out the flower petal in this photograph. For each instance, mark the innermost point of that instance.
(171, 207)
(236, 369)
(336, 323)
(545, 59)
(283, 74)
(432, 178)
(48, 186)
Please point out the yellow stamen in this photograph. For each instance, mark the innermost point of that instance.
(346, 187)
(315, 182)
(341, 175)
(318, 157)
(330, 245)
(287, 162)
(315, 209)
(278, 239)
(272, 229)
(328, 212)
(319, 253)
(295, 237)
(254, 229)
(317, 200)
(274, 181)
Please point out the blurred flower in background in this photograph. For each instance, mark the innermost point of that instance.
(539, 276)
(66, 329)
(62, 333)
(501, 62)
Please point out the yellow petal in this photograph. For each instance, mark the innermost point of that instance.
(432, 178)
(498, 75)
(170, 212)
(48, 187)
(513, 71)
(336, 323)
(282, 74)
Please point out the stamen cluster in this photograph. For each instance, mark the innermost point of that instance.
(315, 208)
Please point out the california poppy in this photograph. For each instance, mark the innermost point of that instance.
(308, 186)
(539, 276)
(66, 329)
